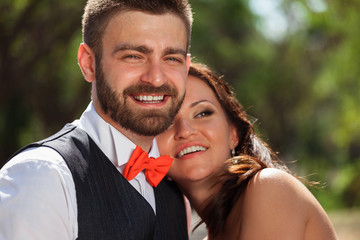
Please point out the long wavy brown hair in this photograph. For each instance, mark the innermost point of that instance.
(251, 153)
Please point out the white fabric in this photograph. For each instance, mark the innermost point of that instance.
(37, 192)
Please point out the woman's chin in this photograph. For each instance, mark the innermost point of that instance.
(187, 176)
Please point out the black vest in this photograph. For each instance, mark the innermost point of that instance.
(108, 206)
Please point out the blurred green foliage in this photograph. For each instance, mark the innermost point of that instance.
(303, 87)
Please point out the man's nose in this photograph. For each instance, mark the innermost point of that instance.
(154, 74)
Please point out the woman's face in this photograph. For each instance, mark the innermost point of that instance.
(201, 137)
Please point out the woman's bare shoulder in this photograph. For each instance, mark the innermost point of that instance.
(281, 204)
(276, 192)
(270, 181)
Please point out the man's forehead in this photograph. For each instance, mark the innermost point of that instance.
(142, 32)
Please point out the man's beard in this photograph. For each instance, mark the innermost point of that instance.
(146, 122)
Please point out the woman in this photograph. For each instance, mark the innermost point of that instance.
(231, 178)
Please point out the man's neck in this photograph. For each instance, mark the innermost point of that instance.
(145, 142)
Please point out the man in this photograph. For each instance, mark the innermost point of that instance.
(75, 184)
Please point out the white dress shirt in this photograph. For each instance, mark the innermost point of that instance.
(37, 192)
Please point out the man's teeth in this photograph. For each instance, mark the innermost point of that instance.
(149, 98)
(191, 149)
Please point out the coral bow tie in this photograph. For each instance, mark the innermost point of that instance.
(155, 168)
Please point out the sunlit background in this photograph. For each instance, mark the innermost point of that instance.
(295, 66)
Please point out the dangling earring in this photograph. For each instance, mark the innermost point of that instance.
(233, 152)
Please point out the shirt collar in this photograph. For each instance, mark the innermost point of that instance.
(117, 147)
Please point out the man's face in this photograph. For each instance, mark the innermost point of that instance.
(140, 81)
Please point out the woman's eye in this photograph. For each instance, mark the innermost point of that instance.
(204, 114)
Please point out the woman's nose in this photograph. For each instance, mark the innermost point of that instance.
(184, 129)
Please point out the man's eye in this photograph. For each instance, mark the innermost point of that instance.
(131, 57)
(174, 59)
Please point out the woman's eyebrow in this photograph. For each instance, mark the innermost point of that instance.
(200, 101)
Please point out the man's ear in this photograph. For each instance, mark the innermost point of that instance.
(188, 61)
(86, 61)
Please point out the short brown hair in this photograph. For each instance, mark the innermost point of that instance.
(97, 14)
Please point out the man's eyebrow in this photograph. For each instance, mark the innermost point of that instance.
(169, 51)
(124, 47)
(146, 50)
